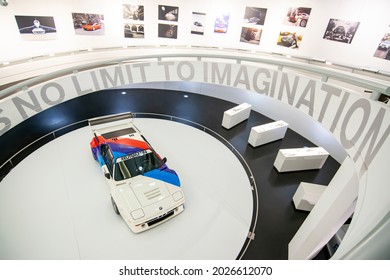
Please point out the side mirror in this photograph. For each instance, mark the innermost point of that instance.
(106, 172)
(164, 160)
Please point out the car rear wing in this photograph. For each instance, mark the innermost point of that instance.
(111, 118)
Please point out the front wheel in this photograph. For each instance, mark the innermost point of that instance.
(116, 210)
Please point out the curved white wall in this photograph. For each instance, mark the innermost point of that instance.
(372, 15)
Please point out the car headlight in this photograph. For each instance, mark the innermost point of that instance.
(137, 214)
(177, 196)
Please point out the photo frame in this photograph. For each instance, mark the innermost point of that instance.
(341, 30)
(167, 31)
(36, 27)
(289, 39)
(297, 16)
(168, 13)
(88, 24)
(133, 12)
(134, 30)
(254, 16)
(383, 49)
(221, 23)
(198, 22)
(250, 35)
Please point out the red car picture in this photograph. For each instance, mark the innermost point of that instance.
(92, 26)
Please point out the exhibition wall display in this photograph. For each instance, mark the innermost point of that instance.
(319, 27)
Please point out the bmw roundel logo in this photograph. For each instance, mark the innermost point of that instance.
(160, 208)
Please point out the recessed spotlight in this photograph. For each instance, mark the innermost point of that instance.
(123, 92)
(185, 96)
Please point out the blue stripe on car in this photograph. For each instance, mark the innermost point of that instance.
(164, 176)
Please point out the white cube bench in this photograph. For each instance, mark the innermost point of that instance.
(236, 115)
(307, 195)
(267, 133)
(300, 159)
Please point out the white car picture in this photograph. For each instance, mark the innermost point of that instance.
(143, 190)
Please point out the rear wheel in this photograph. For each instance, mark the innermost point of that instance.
(114, 206)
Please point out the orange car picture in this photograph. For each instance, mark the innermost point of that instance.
(92, 27)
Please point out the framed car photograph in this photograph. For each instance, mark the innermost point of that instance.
(169, 13)
(198, 20)
(133, 12)
(289, 39)
(297, 16)
(250, 35)
(88, 24)
(254, 16)
(167, 31)
(221, 23)
(341, 30)
(36, 27)
(383, 49)
(134, 30)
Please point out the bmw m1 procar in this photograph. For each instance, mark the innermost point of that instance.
(143, 190)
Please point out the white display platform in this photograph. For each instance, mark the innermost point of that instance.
(266, 133)
(236, 115)
(307, 195)
(55, 204)
(300, 159)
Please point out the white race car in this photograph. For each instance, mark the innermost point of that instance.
(144, 191)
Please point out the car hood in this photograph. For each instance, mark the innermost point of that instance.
(144, 191)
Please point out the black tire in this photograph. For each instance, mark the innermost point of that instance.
(116, 210)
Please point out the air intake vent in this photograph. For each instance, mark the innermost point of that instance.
(161, 218)
(153, 193)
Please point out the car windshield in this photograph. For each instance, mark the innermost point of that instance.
(136, 164)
